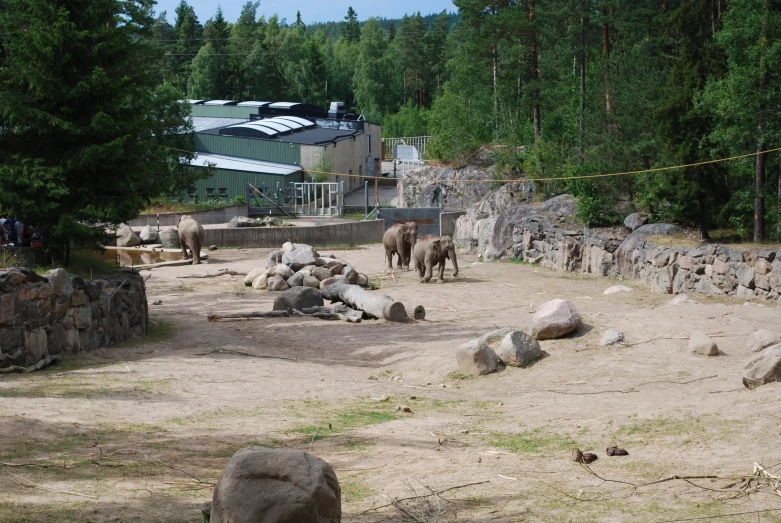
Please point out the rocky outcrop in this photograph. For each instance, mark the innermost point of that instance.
(548, 234)
(43, 318)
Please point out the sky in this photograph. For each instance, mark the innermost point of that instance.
(311, 10)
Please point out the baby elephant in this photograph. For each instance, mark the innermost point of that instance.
(190, 235)
(431, 250)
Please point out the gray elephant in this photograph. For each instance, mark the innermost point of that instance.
(399, 239)
(431, 250)
(190, 235)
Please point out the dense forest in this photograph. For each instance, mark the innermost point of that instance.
(569, 88)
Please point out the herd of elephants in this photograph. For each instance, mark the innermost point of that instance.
(400, 239)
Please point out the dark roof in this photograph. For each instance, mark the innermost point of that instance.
(316, 136)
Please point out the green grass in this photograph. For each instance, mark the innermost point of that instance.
(353, 416)
(460, 376)
(164, 205)
(528, 441)
(355, 490)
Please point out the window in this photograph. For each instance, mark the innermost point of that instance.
(210, 192)
(223, 192)
(370, 144)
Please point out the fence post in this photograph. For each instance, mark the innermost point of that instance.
(366, 198)
(341, 198)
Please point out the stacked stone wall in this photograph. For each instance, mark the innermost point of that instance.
(42, 318)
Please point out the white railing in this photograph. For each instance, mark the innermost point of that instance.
(420, 142)
(318, 199)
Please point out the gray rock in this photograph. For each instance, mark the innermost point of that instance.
(243, 221)
(762, 368)
(518, 349)
(611, 337)
(298, 298)
(274, 258)
(763, 339)
(700, 343)
(744, 293)
(277, 283)
(61, 284)
(635, 221)
(350, 274)
(657, 229)
(252, 275)
(554, 319)
(328, 281)
(618, 288)
(148, 235)
(271, 221)
(297, 280)
(283, 270)
(276, 486)
(311, 281)
(476, 358)
(362, 280)
(169, 238)
(335, 268)
(300, 257)
(7, 309)
(126, 237)
(289, 246)
(321, 273)
(745, 276)
(212, 247)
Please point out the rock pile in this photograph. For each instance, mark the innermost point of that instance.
(300, 265)
(511, 347)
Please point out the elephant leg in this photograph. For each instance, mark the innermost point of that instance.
(420, 268)
(184, 250)
(441, 276)
(400, 250)
(429, 268)
(196, 249)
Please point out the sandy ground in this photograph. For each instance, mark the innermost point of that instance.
(138, 432)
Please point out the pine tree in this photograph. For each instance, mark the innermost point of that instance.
(81, 118)
(188, 33)
(351, 30)
(217, 33)
(243, 35)
(299, 23)
(391, 32)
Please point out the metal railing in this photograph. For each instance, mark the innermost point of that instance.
(416, 141)
(318, 199)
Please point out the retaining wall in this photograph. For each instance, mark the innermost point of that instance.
(43, 318)
(207, 217)
(447, 222)
(427, 218)
(541, 235)
(350, 233)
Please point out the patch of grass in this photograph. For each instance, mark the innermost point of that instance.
(528, 441)
(100, 387)
(460, 376)
(240, 290)
(514, 260)
(355, 490)
(164, 205)
(86, 263)
(350, 417)
(658, 427)
(37, 513)
(183, 287)
(356, 444)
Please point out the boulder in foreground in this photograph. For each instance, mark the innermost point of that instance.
(763, 368)
(554, 319)
(261, 485)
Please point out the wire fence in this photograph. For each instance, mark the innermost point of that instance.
(419, 142)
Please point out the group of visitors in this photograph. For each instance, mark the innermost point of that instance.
(15, 233)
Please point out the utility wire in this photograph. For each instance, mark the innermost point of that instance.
(556, 178)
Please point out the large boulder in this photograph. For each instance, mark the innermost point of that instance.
(701, 343)
(274, 258)
(476, 358)
(126, 237)
(300, 257)
(148, 235)
(518, 349)
(554, 319)
(283, 270)
(657, 229)
(635, 220)
(261, 485)
(298, 298)
(763, 368)
(261, 282)
(243, 221)
(321, 273)
(762, 339)
(277, 283)
(169, 238)
(297, 280)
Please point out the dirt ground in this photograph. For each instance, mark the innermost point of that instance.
(141, 431)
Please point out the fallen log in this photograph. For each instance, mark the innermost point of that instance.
(244, 315)
(374, 305)
(340, 312)
(419, 312)
(48, 360)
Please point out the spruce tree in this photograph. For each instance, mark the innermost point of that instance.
(351, 30)
(81, 120)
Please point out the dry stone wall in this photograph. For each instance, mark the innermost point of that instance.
(542, 234)
(42, 318)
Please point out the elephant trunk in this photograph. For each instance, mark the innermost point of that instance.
(451, 253)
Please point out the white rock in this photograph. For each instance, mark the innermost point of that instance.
(251, 275)
(611, 337)
(700, 343)
(618, 288)
(763, 339)
(261, 282)
(554, 319)
(476, 358)
(283, 270)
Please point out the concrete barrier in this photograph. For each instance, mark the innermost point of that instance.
(351, 233)
(447, 222)
(207, 217)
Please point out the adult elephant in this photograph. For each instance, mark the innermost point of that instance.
(190, 235)
(432, 250)
(399, 239)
